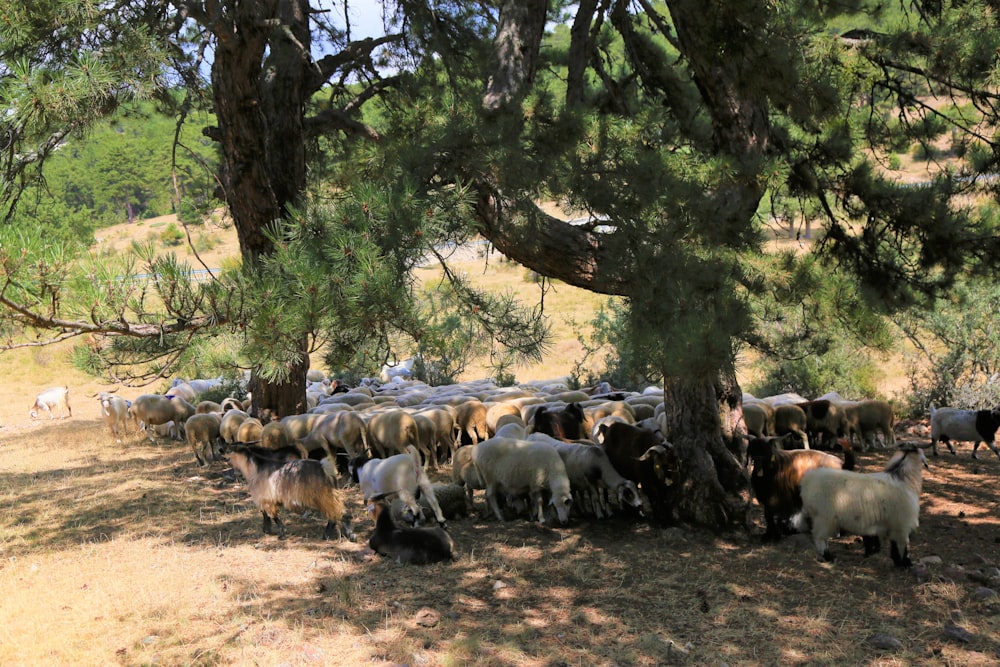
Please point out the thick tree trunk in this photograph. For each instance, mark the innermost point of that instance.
(711, 491)
(262, 59)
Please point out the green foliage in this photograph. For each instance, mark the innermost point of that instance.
(959, 349)
(172, 235)
(610, 353)
(122, 172)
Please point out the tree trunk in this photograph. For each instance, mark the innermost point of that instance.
(261, 61)
(711, 491)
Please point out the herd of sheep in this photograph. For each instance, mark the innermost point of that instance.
(537, 450)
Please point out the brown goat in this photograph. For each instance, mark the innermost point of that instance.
(777, 478)
(298, 485)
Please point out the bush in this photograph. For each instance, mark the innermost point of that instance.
(960, 351)
(172, 235)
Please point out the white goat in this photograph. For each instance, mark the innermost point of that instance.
(883, 504)
(976, 426)
(49, 400)
(400, 474)
(114, 409)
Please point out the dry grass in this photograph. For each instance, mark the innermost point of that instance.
(133, 555)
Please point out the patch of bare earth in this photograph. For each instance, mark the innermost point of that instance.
(132, 555)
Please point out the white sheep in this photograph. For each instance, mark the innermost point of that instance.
(883, 504)
(523, 467)
(592, 477)
(49, 400)
(400, 474)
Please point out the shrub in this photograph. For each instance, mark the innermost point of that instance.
(171, 235)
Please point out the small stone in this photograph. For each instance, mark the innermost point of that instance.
(931, 560)
(498, 585)
(885, 642)
(958, 633)
(984, 593)
(427, 618)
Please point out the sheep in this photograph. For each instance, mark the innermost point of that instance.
(339, 431)
(777, 475)
(592, 476)
(873, 416)
(825, 422)
(182, 410)
(250, 430)
(390, 431)
(790, 418)
(565, 424)
(519, 467)
(464, 473)
(470, 420)
(49, 400)
(497, 410)
(202, 433)
(402, 370)
(203, 407)
(450, 498)
(445, 428)
(880, 505)
(114, 409)
(298, 485)
(511, 429)
(150, 410)
(401, 474)
(949, 424)
(412, 546)
(644, 456)
(759, 418)
(230, 426)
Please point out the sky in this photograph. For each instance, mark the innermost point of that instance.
(366, 16)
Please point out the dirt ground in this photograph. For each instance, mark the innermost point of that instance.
(131, 554)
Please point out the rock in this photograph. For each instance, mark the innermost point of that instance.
(427, 618)
(958, 633)
(931, 560)
(885, 642)
(498, 585)
(984, 593)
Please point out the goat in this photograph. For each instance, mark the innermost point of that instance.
(644, 456)
(298, 485)
(114, 409)
(949, 424)
(49, 400)
(400, 474)
(882, 504)
(777, 475)
(412, 546)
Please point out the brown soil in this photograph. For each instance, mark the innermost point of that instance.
(133, 555)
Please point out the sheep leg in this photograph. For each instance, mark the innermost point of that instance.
(900, 559)
(536, 499)
(491, 500)
(872, 544)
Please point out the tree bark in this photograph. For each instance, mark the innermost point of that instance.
(259, 106)
(710, 491)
